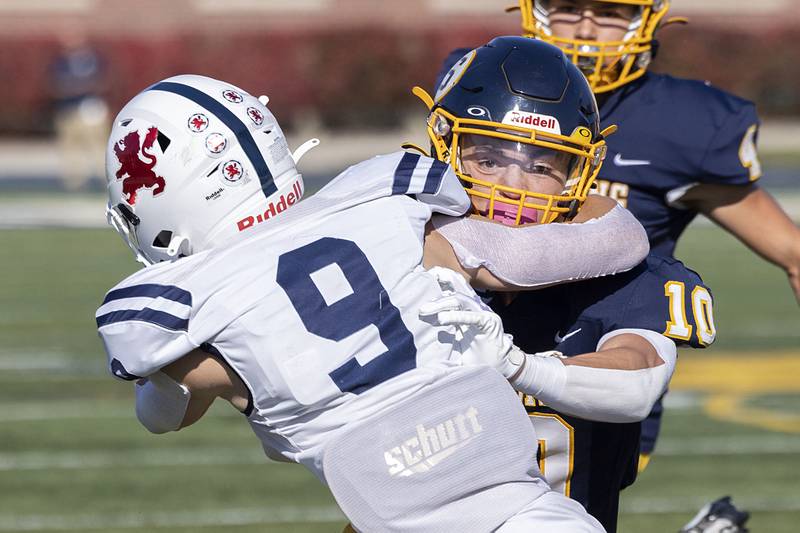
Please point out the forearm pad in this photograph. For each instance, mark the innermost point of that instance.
(554, 253)
(161, 403)
(599, 394)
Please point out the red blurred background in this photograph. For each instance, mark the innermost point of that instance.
(351, 63)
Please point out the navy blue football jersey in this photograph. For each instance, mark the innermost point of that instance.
(673, 133)
(592, 461)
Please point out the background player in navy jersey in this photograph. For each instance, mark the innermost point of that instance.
(513, 176)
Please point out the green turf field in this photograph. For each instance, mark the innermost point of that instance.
(73, 457)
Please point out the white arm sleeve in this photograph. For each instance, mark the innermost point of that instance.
(161, 403)
(531, 256)
(601, 394)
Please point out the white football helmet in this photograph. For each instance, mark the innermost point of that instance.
(193, 161)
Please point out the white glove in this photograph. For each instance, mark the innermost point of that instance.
(482, 337)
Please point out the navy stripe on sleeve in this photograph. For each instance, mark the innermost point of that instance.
(238, 127)
(151, 316)
(403, 172)
(151, 290)
(434, 178)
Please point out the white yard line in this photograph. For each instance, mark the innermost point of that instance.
(66, 212)
(308, 515)
(157, 457)
(183, 519)
(59, 409)
(83, 460)
(55, 377)
(657, 505)
(36, 361)
(762, 444)
(46, 365)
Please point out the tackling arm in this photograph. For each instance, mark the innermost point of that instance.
(754, 217)
(606, 239)
(595, 206)
(181, 392)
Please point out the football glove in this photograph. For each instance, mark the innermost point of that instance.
(480, 332)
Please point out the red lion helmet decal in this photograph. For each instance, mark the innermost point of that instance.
(135, 172)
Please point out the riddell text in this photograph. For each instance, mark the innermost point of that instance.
(273, 208)
(534, 120)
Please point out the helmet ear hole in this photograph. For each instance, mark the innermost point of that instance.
(163, 239)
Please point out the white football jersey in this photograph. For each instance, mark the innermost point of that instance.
(312, 308)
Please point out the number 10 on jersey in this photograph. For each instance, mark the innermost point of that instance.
(679, 326)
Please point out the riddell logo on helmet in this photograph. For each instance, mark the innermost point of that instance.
(533, 120)
(274, 208)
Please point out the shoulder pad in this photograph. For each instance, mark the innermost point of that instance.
(673, 300)
(142, 326)
(158, 315)
(400, 173)
(722, 129)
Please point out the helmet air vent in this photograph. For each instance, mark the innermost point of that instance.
(213, 170)
(163, 141)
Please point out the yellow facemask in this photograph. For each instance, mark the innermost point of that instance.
(607, 64)
(450, 134)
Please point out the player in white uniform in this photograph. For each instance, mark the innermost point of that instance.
(310, 317)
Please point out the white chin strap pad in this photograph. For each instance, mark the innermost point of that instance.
(600, 394)
(554, 253)
(161, 403)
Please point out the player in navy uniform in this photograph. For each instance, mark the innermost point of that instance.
(473, 126)
(592, 461)
(684, 147)
(604, 456)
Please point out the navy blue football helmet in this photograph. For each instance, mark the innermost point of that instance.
(519, 124)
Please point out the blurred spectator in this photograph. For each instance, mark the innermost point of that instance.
(78, 81)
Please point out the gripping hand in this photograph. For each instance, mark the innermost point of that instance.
(482, 338)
